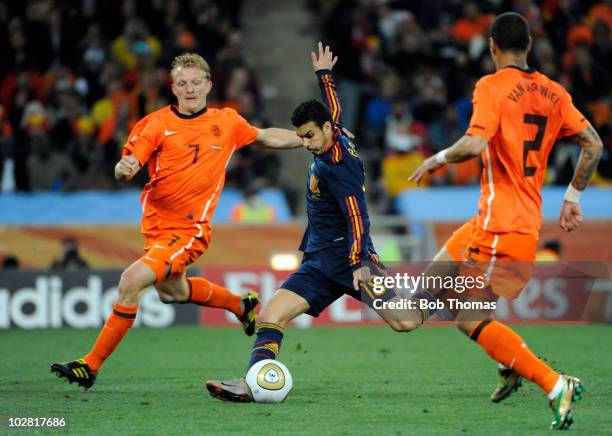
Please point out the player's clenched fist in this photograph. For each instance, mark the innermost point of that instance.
(126, 168)
(571, 216)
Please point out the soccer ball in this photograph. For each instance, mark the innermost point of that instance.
(269, 381)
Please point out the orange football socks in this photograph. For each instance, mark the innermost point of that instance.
(206, 293)
(508, 348)
(115, 328)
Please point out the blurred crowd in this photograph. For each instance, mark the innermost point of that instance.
(407, 70)
(76, 75)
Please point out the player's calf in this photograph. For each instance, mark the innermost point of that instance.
(284, 306)
(385, 301)
(401, 320)
(403, 326)
(173, 291)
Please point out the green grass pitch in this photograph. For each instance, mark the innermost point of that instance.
(346, 381)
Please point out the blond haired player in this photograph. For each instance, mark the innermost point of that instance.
(187, 147)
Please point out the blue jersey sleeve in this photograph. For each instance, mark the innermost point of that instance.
(329, 95)
(346, 183)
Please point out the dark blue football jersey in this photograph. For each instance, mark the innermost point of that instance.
(335, 192)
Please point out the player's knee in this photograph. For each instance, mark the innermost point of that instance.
(404, 326)
(129, 286)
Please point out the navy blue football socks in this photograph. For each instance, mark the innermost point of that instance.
(267, 342)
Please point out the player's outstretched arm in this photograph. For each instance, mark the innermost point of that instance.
(126, 168)
(322, 64)
(590, 142)
(467, 147)
(274, 137)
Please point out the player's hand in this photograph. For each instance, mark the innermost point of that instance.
(571, 216)
(325, 60)
(360, 275)
(428, 166)
(126, 168)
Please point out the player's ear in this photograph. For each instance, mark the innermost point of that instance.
(327, 127)
(492, 46)
(209, 86)
(529, 44)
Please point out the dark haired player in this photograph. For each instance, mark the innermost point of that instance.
(518, 116)
(338, 252)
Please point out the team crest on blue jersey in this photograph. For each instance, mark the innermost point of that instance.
(313, 185)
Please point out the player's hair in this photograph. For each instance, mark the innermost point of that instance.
(510, 31)
(190, 60)
(311, 110)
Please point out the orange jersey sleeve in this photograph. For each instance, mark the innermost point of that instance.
(486, 113)
(144, 143)
(128, 147)
(244, 133)
(143, 139)
(573, 122)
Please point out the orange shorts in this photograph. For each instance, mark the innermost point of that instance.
(506, 259)
(168, 252)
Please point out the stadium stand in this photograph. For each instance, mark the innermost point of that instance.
(72, 88)
(408, 70)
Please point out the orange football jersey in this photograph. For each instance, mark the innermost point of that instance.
(187, 157)
(522, 113)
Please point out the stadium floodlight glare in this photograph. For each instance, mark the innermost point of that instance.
(284, 261)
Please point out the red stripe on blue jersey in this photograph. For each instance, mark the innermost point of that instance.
(336, 153)
(333, 103)
(357, 226)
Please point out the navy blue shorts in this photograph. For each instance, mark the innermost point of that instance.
(323, 277)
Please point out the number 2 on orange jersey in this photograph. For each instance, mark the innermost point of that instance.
(536, 143)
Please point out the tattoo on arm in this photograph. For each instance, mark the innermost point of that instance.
(591, 145)
(467, 147)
